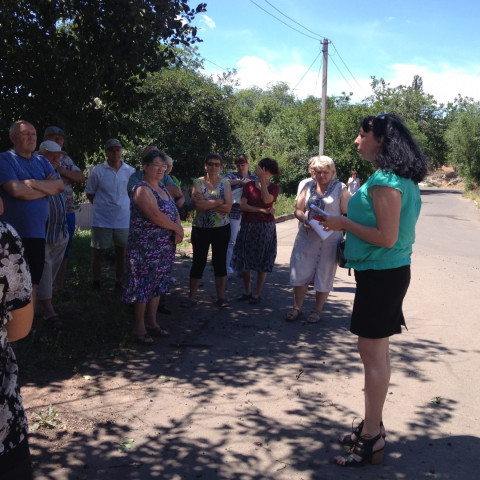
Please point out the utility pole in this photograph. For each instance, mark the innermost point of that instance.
(324, 97)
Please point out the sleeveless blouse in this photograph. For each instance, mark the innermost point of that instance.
(208, 218)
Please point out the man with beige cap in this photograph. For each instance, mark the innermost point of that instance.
(107, 190)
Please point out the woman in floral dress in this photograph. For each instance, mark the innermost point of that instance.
(155, 230)
(16, 315)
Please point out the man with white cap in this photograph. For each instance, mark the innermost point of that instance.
(26, 180)
(107, 190)
(70, 174)
(56, 237)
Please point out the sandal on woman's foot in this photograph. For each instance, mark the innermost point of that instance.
(156, 331)
(314, 317)
(255, 300)
(244, 297)
(294, 314)
(188, 303)
(142, 339)
(53, 321)
(363, 452)
(222, 303)
(350, 438)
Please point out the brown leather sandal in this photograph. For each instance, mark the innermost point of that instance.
(294, 314)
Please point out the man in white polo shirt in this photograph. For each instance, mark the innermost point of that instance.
(107, 190)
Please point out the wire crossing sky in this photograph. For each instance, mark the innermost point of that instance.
(271, 41)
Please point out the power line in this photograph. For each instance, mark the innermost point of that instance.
(340, 72)
(294, 21)
(318, 76)
(216, 64)
(339, 56)
(286, 24)
(303, 76)
(317, 37)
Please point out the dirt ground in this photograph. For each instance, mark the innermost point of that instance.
(99, 405)
(72, 390)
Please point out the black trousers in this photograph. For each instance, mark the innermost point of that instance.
(202, 238)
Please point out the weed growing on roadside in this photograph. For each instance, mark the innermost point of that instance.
(46, 419)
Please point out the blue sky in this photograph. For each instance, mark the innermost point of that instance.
(393, 40)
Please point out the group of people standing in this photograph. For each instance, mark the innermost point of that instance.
(243, 243)
(379, 220)
(35, 236)
(138, 211)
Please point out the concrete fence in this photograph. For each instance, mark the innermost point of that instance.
(83, 216)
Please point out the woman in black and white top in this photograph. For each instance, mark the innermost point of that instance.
(16, 315)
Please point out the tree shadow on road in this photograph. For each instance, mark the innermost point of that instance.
(262, 385)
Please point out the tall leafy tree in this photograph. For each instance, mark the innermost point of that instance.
(186, 114)
(77, 63)
(420, 112)
(463, 139)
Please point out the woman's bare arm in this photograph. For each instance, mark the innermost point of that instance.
(21, 322)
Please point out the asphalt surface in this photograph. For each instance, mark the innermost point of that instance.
(240, 394)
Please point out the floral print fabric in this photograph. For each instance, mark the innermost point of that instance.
(150, 252)
(208, 218)
(15, 291)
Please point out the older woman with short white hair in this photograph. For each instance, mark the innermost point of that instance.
(313, 257)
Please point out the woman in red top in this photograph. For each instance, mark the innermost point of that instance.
(256, 246)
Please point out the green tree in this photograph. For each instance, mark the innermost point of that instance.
(463, 139)
(420, 111)
(343, 121)
(77, 63)
(187, 115)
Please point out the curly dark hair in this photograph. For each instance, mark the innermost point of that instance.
(399, 152)
(270, 165)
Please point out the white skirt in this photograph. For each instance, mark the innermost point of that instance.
(314, 259)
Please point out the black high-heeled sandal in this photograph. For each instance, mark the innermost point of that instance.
(363, 449)
(347, 439)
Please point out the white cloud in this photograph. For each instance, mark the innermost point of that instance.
(209, 22)
(444, 84)
(254, 71)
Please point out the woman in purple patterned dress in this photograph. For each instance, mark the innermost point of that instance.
(155, 230)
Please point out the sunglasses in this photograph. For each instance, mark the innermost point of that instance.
(214, 164)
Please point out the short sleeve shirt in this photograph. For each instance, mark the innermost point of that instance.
(67, 163)
(208, 218)
(139, 175)
(111, 205)
(237, 191)
(28, 217)
(254, 198)
(362, 255)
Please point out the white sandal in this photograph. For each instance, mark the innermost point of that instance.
(314, 317)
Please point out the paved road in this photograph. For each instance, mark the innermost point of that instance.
(249, 396)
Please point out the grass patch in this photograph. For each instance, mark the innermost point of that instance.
(474, 196)
(96, 324)
(284, 204)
